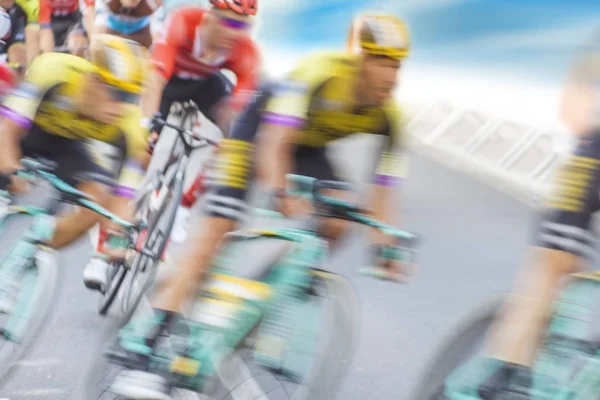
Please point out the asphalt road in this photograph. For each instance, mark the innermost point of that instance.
(473, 238)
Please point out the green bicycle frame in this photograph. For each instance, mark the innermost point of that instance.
(288, 280)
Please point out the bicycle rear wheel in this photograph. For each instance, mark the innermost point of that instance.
(35, 294)
(160, 224)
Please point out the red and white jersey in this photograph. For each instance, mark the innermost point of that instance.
(179, 52)
(48, 8)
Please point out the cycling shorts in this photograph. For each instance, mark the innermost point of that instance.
(206, 93)
(63, 25)
(73, 157)
(567, 216)
(229, 178)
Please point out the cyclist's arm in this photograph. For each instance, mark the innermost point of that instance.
(164, 53)
(18, 111)
(46, 36)
(245, 64)
(390, 172)
(89, 18)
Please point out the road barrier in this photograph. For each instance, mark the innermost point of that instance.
(516, 159)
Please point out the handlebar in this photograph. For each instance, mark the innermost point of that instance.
(44, 169)
(184, 134)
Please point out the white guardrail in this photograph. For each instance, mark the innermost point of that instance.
(510, 157)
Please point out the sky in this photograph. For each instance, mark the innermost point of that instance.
(502, 50)
(530, 37)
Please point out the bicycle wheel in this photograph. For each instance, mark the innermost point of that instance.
(34, 295)
(116, 276)
(462, 346)
(160, 225)
(333, 307)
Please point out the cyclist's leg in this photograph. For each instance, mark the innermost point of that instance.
(209, 98)
(72, 158)
(51, 34)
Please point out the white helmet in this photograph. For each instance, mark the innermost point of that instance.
(5, 24)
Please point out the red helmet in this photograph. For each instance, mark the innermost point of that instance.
(242, 7)
(8, 78)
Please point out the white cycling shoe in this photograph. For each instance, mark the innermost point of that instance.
(140, 385)
(95, 274)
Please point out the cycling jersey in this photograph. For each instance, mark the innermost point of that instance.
(45, 105)
(179, 52)
(317, 100)
(58, 8)
(569, 207)
(18, 21)
(125, 20)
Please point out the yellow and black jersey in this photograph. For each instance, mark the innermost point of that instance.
(317, 98)
(47, 99)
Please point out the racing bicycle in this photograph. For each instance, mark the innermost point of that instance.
(29, 270)
(568, 362)
(156, 207)
(288, 332)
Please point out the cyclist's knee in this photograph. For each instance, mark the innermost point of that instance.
(17, 54)
(77, 43)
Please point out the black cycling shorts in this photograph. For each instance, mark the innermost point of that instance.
(63, 25)
(233, 168)
(206, 93)
(71, 156)
(565, 222)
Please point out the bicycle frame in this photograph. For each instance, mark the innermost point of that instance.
(21, 257)
(233, 307)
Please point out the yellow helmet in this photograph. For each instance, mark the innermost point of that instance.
(379, 34)
(122, 63)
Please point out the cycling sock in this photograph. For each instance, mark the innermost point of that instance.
(102, 236)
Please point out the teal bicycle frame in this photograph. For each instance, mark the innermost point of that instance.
(41, 229)
(277, 310)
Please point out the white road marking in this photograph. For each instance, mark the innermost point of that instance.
(38, 392)
(40, 362)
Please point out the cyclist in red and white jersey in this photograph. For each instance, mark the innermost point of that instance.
(196, 45)
(61, 23)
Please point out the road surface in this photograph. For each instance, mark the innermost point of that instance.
(473, 238)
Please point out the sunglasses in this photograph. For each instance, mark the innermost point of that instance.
(234, 23)
(122, 96)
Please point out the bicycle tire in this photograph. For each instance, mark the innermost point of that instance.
(169, 207)
(455, 350)
(44, 283)
(120, 271)
(114, 283)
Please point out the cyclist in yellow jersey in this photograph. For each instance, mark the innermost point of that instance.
(22, 44)
(65, 100)
(284, 130)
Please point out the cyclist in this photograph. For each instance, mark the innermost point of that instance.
(127, 18)
(188, 59)
(61, 24)
(65, 100)
(326, 97)
(20, 45)
(564, 242)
